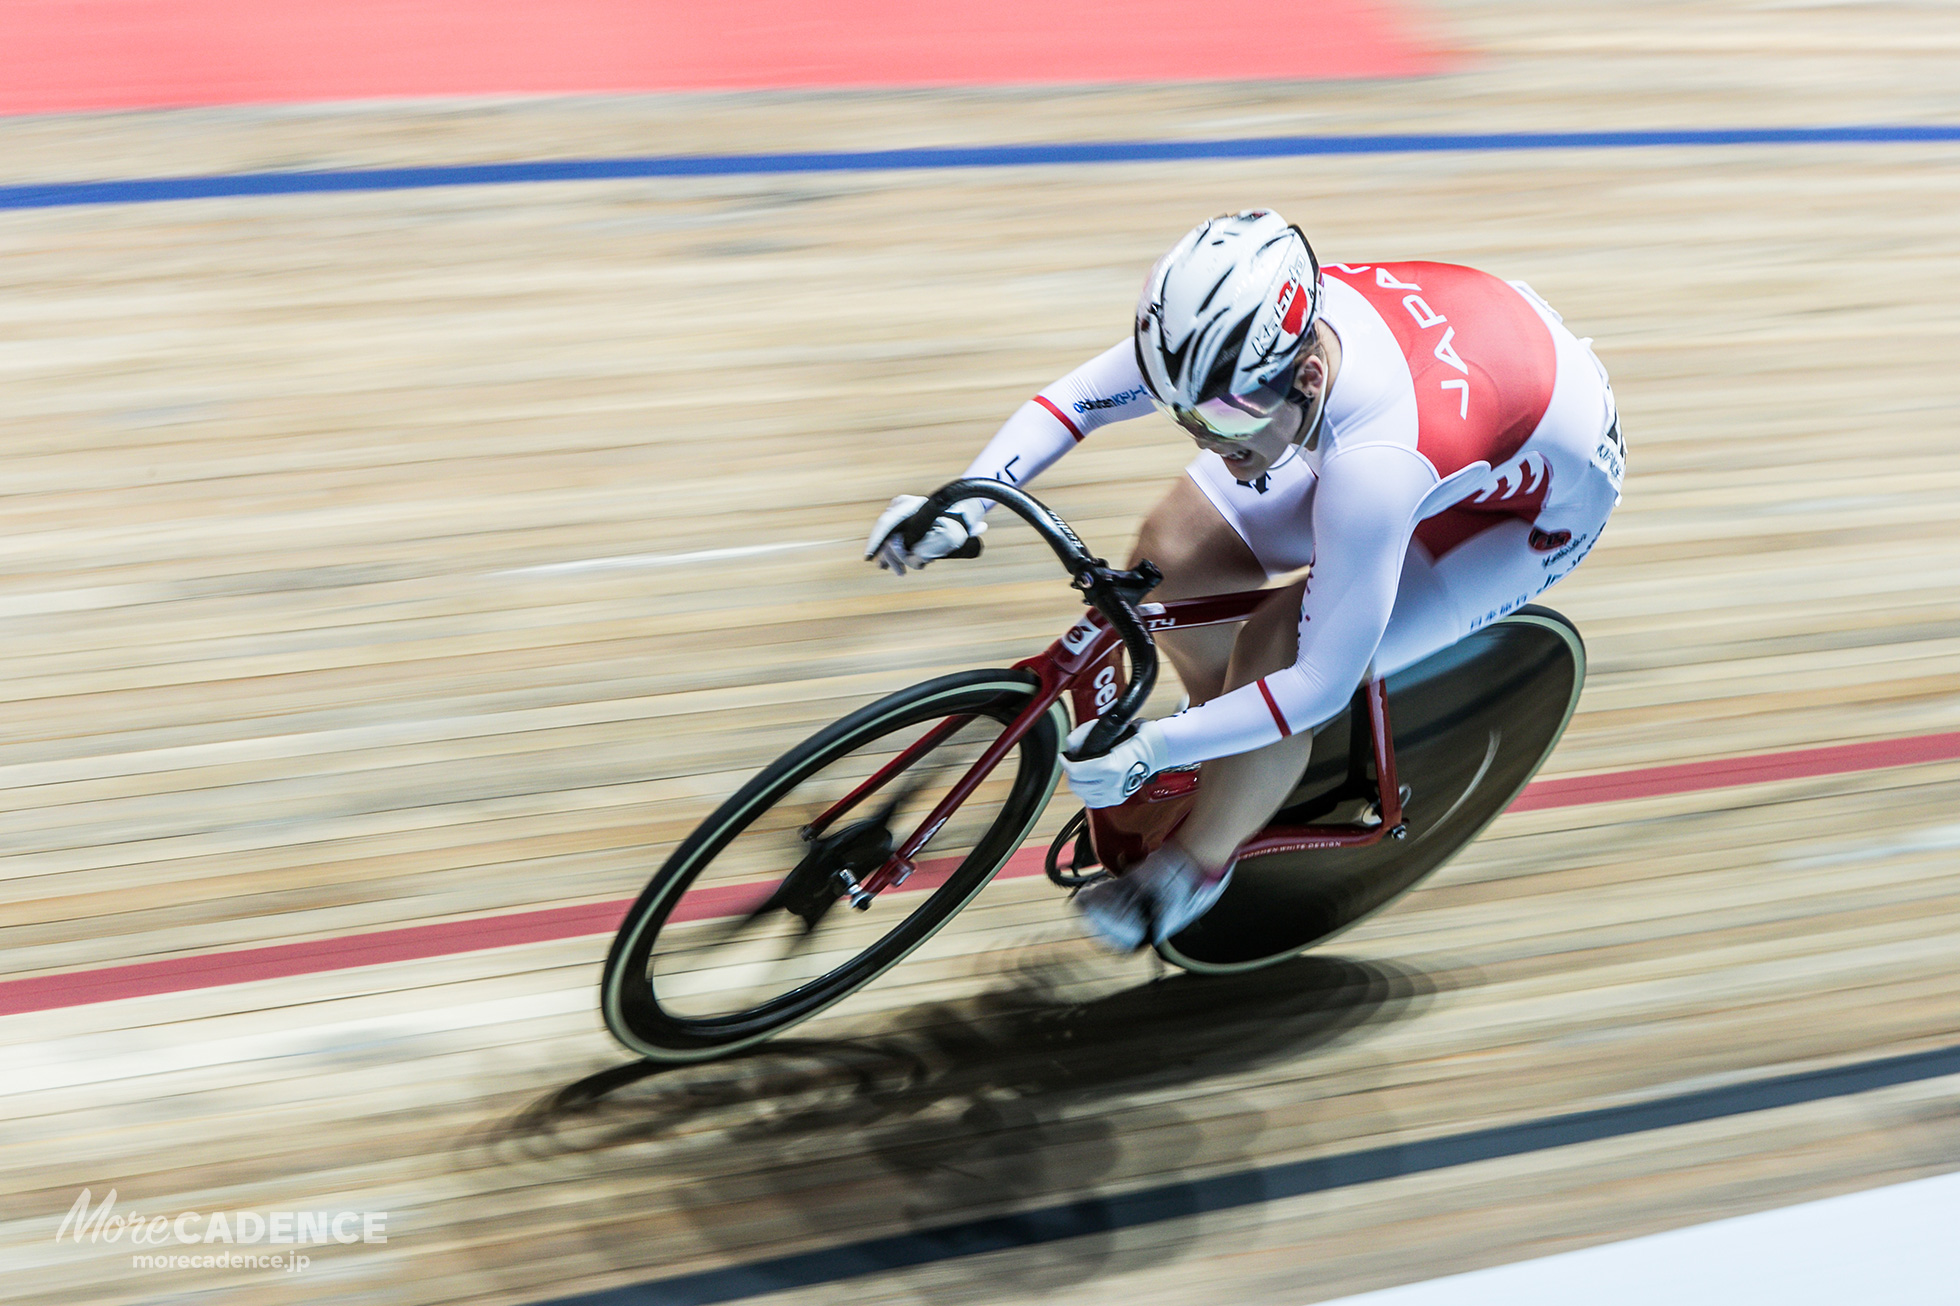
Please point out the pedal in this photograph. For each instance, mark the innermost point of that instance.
(1080, 858)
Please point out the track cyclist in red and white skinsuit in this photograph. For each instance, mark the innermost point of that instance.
(1430, 440)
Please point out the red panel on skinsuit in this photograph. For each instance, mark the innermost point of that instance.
(1480, 358)
(65, 55)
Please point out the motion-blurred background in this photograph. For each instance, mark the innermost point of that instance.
(392, 570)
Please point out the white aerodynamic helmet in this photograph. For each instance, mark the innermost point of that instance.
(1221, 321)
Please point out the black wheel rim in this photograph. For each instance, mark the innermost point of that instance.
(666, 1018)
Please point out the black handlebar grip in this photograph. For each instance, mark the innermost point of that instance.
(914, 528)
(1096, 745)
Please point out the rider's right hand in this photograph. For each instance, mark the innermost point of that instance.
(950, 532)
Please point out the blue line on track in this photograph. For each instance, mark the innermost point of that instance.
(1102, 1215)
(149, 190)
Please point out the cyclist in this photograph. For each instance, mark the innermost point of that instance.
(1427, 442)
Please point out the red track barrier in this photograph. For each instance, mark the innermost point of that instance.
(60, 55)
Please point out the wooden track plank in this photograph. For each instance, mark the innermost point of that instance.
(270, 677)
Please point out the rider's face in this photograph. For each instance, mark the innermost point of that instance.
(1251, 457)
(1248, 459)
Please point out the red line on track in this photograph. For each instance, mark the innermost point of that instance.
(209, 970)
(1728, 772)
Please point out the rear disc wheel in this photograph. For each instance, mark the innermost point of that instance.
(1473, 723)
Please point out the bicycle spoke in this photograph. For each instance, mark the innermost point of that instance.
(774, 944)
(740, 932)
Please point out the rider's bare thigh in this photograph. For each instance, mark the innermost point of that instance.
(1199, 553)
(1195, 547)
(1269, 641)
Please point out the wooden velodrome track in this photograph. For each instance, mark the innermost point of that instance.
(356, 572)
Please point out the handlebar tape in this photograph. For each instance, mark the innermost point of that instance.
(914, 528)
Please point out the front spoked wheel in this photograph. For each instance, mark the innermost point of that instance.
(747, 929)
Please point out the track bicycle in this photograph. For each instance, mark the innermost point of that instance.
(852, 849)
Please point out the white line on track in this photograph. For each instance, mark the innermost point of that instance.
(34, 603)
(1939, 839)
(106, 1057)
(1892, 1245)
(631, 560)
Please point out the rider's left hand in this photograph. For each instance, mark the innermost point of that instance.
(950, 531)
(1107, 780)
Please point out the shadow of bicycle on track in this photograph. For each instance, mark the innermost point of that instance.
(1022, 1094)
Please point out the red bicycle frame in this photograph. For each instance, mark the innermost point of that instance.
(1087, 661)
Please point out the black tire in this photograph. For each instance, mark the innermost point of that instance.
(660, 1015)
(1473, 723)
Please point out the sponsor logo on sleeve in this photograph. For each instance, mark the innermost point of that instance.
(1122, 400)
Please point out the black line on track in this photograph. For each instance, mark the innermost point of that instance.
(149, 190)
(1100, 1215)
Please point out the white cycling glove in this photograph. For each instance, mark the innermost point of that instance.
(1107, 780)
(963, 521)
